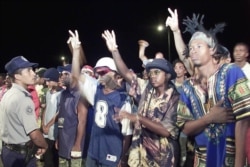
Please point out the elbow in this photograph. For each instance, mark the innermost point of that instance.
(186, 132)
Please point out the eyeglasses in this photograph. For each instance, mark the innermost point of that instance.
(154, 72)
(102, 71)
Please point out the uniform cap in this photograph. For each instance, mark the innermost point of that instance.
(67, 68)
(51, 74)
(17, 63)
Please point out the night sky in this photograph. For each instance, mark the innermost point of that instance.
(39, 30)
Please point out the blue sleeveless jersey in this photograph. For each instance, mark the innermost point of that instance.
(106, 137)
(68, 122)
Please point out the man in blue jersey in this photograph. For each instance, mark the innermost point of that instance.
(108, 145)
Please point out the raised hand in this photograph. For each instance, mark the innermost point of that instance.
(110, 40)
(220, 114)
(142, 46)
(172, 21)
(73, 40)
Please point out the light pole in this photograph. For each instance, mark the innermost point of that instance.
(169, 52)
(160, 28)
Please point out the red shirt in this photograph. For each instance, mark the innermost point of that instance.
(35, 98)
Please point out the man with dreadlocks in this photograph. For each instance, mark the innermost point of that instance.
(216, 112)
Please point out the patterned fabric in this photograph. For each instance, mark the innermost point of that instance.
(215, 146)
(74, 162)
(148, 148)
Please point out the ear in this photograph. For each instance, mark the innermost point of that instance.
(247, 54)
(212, 51)
(17, 76)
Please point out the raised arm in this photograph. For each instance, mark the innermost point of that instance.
(83, 59)
(113, 48)
(142, 46)
(173, 22)
(78, 55)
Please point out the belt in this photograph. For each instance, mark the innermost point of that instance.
(22, 149)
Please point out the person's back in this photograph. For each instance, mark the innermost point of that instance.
(72, 120)
(68, 126)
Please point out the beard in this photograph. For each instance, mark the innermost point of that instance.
(109, 82)
(66, 82)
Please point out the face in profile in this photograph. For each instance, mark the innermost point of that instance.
(26, 75)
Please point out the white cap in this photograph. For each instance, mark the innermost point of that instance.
(106, 62)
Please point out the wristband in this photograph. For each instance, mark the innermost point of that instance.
(76, 154)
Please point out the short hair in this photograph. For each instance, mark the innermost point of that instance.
(244, 44)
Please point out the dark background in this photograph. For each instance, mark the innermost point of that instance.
(38, 30)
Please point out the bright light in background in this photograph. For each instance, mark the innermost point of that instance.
(160, 27)
(63, 59)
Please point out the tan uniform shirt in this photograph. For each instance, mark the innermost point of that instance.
(17, 116)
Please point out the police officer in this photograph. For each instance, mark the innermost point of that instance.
(21, 136)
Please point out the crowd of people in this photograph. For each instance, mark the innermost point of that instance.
(194, 111)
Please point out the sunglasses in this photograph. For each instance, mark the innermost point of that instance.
(102, 71)
(154, 72)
